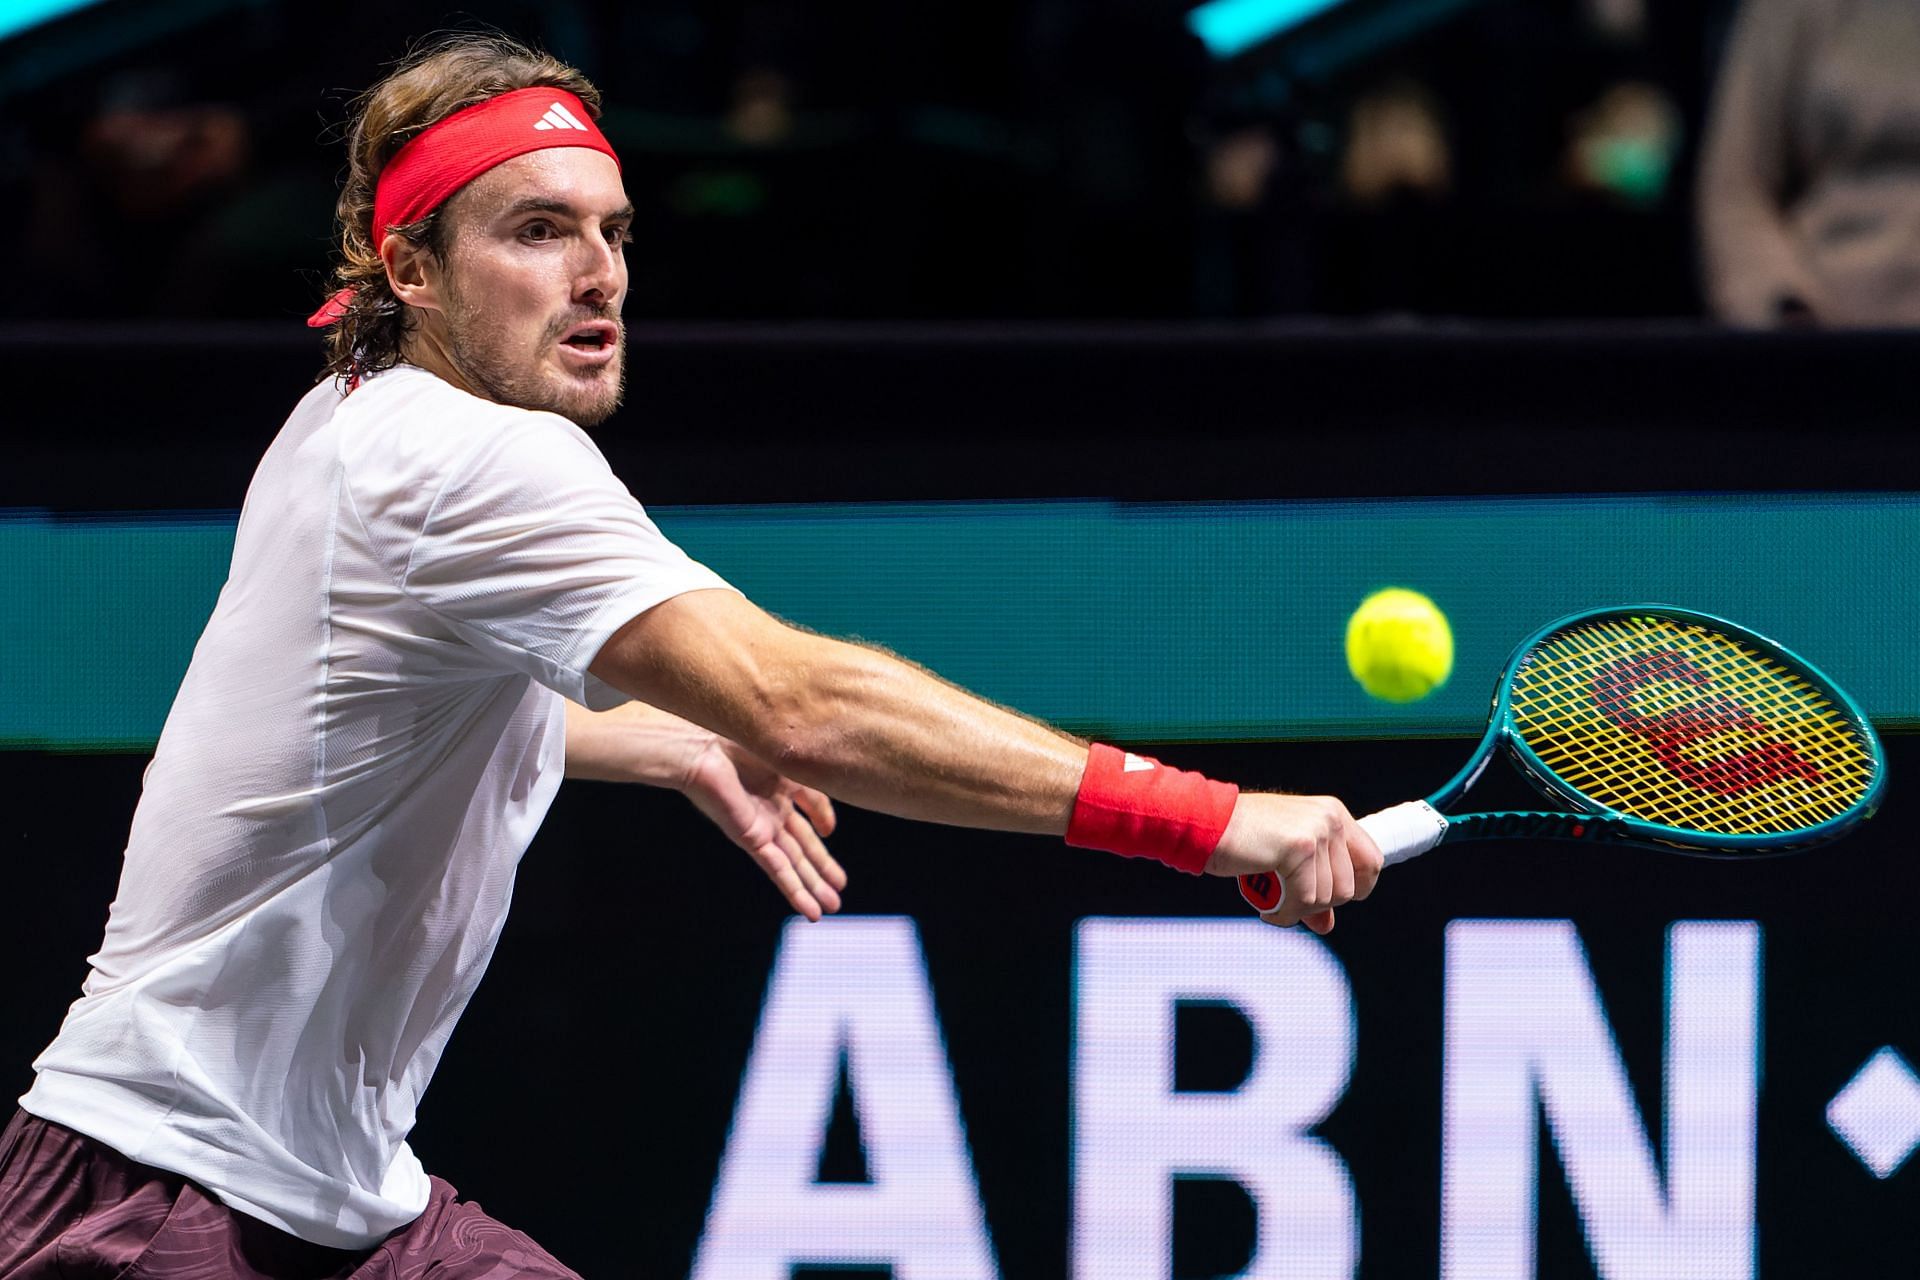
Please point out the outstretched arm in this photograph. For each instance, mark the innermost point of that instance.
(884, 734)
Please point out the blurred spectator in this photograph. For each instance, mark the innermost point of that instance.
(762, 110)
(159, 204)
(1253, 252)
(1810, 187)
(1113, 89)
(1396, 147)
(1394, 240)
(1624, 144)
(1621, 19)
(151, 163)
(1238, 167)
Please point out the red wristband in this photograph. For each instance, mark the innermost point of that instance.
(1139, 808)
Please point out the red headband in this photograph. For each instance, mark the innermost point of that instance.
(460, 148)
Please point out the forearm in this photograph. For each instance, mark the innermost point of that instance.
(861, 725)
(633, 742)
(884, 734)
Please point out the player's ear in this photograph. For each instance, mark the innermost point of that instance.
(413, 273)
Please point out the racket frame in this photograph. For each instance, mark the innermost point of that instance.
(1587, 819)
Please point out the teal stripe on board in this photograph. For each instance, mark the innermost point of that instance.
(99, 619)
(1142, 623)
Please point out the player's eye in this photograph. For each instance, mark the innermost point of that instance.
(539, 230)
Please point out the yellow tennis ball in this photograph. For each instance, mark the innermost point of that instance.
(1399, 646)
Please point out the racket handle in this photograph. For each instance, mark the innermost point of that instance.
(1405, 830)
(1402, 831)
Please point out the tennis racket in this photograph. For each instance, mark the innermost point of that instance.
(1657, 727)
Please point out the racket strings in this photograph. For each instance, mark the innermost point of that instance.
(1673, 722)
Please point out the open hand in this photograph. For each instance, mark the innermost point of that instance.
(776, 820)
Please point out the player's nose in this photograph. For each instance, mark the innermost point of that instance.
(600, 274)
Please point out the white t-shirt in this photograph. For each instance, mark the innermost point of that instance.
(368, 736)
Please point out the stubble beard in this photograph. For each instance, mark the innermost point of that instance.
(480, 350)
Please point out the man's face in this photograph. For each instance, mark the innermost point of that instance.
(533, 282)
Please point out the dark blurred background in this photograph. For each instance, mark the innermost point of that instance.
(994, 160)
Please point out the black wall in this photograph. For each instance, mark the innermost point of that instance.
(105, 418)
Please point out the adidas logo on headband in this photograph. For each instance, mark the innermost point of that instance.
(558, 117)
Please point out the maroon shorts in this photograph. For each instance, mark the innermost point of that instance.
(74, 1209)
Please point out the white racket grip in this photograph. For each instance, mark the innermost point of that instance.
(1405, 830)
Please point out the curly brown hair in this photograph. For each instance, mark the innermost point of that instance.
(444, 76)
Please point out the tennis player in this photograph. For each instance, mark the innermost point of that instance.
(440, 601)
